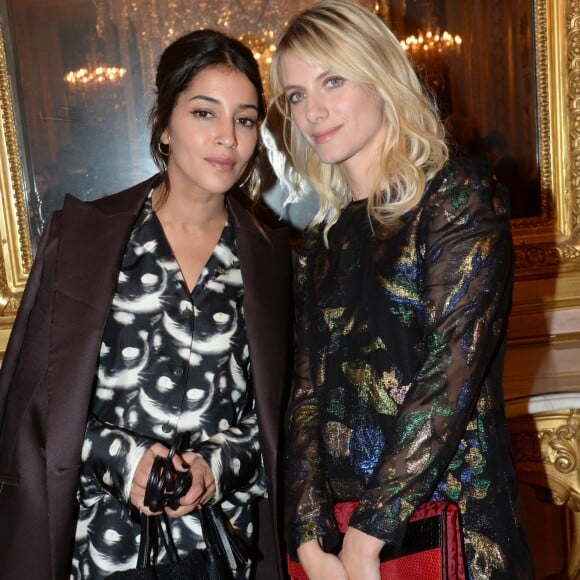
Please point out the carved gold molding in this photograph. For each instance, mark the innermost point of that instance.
(547, 454)
(15, 254)
(574, 106)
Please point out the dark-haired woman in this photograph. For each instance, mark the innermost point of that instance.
(160, 310)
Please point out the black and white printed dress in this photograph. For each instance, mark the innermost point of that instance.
(170, 361)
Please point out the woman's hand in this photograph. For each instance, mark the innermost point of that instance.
(202, 485)
(141, 476)
(360, 555)
(318, 564)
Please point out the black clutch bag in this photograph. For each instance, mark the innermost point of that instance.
(218, 561)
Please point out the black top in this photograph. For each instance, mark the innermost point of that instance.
(398, 396)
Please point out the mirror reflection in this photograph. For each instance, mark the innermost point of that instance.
(82, 69)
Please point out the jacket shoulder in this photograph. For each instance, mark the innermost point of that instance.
(126, 199)
(256, 216)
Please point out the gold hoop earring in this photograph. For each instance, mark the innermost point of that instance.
(161, 151)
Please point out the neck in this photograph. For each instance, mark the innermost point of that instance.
(188, 210)
(361, 180)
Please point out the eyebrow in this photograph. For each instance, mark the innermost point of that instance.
(242, 106)
(323, 74)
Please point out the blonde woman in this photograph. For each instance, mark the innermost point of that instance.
(403, 291)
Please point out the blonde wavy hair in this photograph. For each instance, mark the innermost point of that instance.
(354, 43)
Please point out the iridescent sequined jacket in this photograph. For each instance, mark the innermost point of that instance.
(398, 394)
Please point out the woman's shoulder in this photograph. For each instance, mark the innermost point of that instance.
(127, 198)
(466, 181)
(256, 218)
(462, 171)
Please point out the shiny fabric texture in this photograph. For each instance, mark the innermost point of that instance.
(397, 396)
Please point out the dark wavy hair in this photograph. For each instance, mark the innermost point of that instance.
(180, 63)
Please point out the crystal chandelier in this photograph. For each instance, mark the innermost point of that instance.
(429, 43)
(157, 23)
(99, 74)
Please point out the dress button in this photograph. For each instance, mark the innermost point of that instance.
(166, 428)
(178, 372)
(187, 313)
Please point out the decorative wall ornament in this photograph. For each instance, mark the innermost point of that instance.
(573, 25)
(546, 449)
(554, 240)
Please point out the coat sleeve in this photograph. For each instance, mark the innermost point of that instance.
(468, 260)
(27, 303)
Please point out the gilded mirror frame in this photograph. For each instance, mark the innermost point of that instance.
(15, 247)
(546, 247)
(550, 244)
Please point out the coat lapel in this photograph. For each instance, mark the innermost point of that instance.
(267, 277)
(91, 245)
(266, 273)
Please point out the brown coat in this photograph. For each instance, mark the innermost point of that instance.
(48, 371)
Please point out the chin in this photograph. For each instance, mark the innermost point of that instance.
(221, 187)
(331, 159)
(331, 156)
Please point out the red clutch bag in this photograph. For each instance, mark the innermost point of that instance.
(432, 548)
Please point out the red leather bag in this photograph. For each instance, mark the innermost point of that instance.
(432, 548)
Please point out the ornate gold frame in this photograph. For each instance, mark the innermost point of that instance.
(547, 248)
(16, 253)
(551, 244)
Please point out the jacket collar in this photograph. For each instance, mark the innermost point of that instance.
(92, 242)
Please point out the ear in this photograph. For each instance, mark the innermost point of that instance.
(165, 137)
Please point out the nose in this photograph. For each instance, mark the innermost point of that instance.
(316, 110)
(226, 134)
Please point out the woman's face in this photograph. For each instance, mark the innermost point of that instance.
(340, 119)
(212, 132)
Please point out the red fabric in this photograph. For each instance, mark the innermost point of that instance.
(444, 563)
